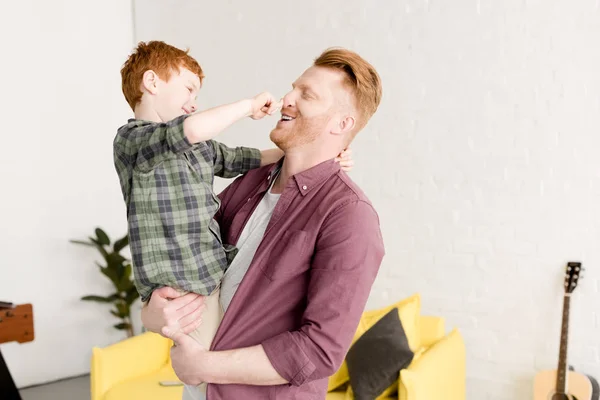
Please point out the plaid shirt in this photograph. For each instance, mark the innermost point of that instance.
(167, 184)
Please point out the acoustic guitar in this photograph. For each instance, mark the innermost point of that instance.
(564, 383)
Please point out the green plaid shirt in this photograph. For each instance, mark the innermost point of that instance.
(167, 184)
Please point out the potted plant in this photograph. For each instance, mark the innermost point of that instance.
(118, 270)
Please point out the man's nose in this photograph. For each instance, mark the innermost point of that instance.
(193, 107)
(288, 100)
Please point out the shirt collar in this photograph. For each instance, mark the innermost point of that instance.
(138, 122)
(313, 177)
(306, 180)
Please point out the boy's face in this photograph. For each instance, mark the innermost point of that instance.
(177, 96)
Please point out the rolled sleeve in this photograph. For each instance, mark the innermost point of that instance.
(147, 145)
(347, 258)
(175, 135)
(230, 162)
(288, 358)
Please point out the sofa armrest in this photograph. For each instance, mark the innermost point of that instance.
(439, 373)
(130, 358)
(431, 330)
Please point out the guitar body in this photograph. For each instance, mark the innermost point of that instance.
(580, 386)
(563, 383)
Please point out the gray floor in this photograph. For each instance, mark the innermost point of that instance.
(68, 389)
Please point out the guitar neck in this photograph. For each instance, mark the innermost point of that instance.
(561, 377)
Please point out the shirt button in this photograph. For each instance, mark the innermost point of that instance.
(304, 187)
(250, 199)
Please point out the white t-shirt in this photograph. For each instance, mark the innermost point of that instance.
(247, 245)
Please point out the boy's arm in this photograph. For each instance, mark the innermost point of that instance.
(231, 162)
(205, 125)
(149, 144)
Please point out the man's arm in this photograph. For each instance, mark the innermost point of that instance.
(347, 258)
(194, 364)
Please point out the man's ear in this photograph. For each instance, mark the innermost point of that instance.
(345, 126)
(150, 81)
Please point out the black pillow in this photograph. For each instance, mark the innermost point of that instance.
(376, 358)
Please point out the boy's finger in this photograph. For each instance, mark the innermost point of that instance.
(167, 292)
(273, 108)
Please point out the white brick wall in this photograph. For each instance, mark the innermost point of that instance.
(483, 160)
(60, 106)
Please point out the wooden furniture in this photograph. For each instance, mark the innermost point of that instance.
(16, 325)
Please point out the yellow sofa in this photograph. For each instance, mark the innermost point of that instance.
(133, 368)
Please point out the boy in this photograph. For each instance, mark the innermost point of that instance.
(166, 161)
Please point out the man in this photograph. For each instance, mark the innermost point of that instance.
(309, 247)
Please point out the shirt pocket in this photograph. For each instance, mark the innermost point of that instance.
(289, 256)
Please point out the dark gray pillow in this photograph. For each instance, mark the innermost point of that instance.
(376, 358)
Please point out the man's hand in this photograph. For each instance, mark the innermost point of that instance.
(188, 358)
(345, 160)
(169, 311)
(264, 104)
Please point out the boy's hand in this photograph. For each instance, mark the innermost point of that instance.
(345, 160)
(171, 311)
(264, 104)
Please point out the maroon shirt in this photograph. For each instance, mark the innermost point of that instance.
(303, 295)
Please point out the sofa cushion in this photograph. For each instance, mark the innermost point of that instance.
(375, 360)
(147, 388)
(409, 310)
(383, 396)
(442, 363)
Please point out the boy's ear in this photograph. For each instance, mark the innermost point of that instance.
(150, 81)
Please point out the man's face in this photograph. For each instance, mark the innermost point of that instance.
(177, 96)
(312, 109)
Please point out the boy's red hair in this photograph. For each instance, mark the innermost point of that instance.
(158, 57)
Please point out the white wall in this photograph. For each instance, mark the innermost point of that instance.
(482, 160)
(61, 104)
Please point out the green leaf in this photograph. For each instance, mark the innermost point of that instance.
(125, 284)
(90, 244)
(102, 237)
(112, 275)
(122, 326)
(115, 296)
(100, 248)
(123, 310)
(116, 259)
(132, 295)
(98, 299)
(127, 272)
(121, 244)
(116, 314)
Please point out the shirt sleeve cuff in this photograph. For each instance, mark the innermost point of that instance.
(288, 358)
(176, 138)
(250, 159)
